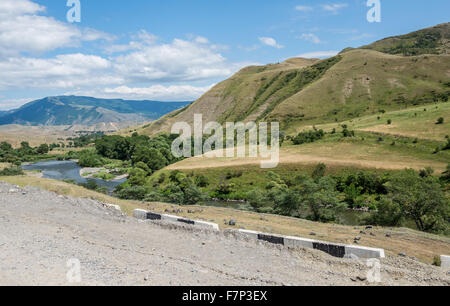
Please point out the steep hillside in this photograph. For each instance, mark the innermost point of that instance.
(435, 40)
(72, 110)
(357, 82)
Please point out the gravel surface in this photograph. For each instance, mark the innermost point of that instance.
(41, 232)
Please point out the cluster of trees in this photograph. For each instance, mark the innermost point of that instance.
(308, 137)
(177, 188)
(22, 154)
(393, 198)
(84, 140)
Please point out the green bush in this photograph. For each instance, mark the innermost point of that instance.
(308, 137)
(12, 171)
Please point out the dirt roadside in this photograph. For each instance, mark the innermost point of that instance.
(41, 231)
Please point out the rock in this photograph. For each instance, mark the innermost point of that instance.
(232, 222)
(402, 254)
(313, 234)
(372, 234)
(357, 238)
(363, 233)
(357, 242)
(388, 235)
(369, 227)
(362, 278)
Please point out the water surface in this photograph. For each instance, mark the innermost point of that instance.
(68, 170)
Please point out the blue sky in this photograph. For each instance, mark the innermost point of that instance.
(177, 49)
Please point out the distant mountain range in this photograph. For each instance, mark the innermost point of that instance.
(87, 111)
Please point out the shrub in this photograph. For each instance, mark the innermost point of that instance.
(440, 121)
(388, 214)
(132, 193)
(201, 181)
(437, 261)
(308, 137)
(12, 171)
(319, 171)
(256, 199)
(89, 159)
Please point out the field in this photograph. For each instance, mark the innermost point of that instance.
(420, 245)
(417, 122)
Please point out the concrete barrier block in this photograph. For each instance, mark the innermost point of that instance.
(296, 242)
(250, 234)
(445, 261)
(364, 252)
(140, 214)
(209, 225)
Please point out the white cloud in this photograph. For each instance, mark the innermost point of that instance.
(271, 42)
(62, 71)
(303, 8)
(201, 40)
(180, 60)
(334, 8)
(143, 59)
(318, 54)
(158, 92)
(19, 7)
(310, 37)
(23, 30)
(8, 104)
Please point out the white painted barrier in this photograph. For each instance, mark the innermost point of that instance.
(445, 261)
(334, 249)
(148, 215)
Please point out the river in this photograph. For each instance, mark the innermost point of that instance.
(68, 170)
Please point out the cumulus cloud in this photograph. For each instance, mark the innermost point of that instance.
(62, 71)
(303, 8)
(271, 42)
(22, 29)
(334, 8)
(180, 60)
(311, 37)
(318, 54)
(159, 92)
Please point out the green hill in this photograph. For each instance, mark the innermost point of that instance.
(358, 82)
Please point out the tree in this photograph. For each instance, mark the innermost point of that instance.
(153, 158)
(287, 201)
(420, 199)
(43, 149)
(321, 198)
(89, 159)
(389, 213)
(137, 177)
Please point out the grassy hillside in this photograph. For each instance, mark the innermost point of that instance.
(415, 122)
(358, 82)
(433, 40)
(421, 245)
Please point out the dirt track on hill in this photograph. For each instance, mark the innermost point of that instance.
(41, 231)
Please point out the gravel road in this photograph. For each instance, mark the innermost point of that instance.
(41, 232)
